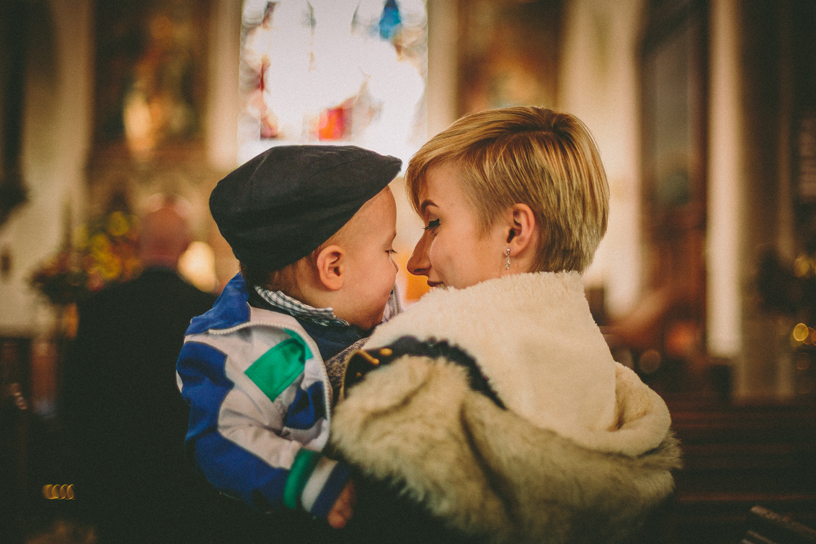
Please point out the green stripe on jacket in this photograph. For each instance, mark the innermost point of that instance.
(302, 468)
(276, 369)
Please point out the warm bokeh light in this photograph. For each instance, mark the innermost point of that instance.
(802, 266)
(650, 361)
(197, 265)
(800, 332)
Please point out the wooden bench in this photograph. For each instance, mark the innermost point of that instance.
(737, 457)
(767, 527)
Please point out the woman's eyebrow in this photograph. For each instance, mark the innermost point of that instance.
(425, 204)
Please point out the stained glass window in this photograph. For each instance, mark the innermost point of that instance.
(333, 71)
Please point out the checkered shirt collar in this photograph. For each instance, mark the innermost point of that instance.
(295, 308)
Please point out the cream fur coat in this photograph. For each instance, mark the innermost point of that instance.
(583, 452)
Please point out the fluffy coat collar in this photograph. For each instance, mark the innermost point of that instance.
(536, 342)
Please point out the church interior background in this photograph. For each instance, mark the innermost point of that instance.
(704, 112)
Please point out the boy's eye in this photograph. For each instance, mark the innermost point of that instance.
(432, 224)
(391, 251)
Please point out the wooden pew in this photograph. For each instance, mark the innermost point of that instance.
(738, 457)
(768, 527)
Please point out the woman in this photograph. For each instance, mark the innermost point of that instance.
(495, 406)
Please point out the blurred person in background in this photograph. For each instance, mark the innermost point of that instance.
(125, 419)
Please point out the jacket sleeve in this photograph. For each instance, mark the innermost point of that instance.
(258, 444)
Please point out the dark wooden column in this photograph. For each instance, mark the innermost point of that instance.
(14, 15)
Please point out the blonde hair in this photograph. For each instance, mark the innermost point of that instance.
(530, 155)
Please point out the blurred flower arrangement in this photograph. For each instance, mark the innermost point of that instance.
(104, 252)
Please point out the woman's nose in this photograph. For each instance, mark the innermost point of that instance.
(418, 264)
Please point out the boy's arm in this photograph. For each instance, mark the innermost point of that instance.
(238, 445)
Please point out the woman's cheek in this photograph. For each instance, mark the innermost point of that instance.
(430, 252)
(434, 255)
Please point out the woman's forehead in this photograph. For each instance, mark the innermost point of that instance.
(441, 179)
(443, 189)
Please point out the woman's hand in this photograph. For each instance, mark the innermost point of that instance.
(343, 507)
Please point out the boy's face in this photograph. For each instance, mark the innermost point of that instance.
(453, 251)
(370, 269)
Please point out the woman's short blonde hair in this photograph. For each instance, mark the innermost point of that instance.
(530, 155)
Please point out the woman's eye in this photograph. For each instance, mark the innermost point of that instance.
(432, 225)
(391, 251)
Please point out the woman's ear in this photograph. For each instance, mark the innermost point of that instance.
(330, 263)
(522, 234)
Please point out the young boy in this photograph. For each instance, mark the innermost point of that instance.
(312, 227)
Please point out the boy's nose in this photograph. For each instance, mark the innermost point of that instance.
(418, 264)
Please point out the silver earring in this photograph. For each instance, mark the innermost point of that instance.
(507, 259)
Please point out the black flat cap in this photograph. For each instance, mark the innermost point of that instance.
(281, 205)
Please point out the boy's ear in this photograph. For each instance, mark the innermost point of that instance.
(522, 233)
(330, 267)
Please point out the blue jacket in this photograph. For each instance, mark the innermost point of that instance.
(260, 404)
